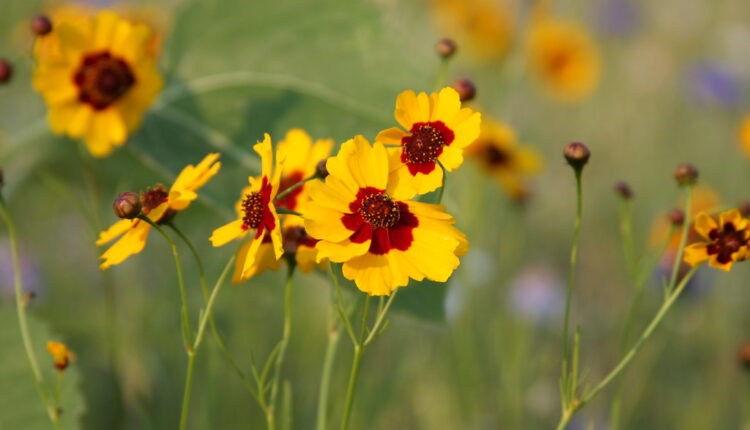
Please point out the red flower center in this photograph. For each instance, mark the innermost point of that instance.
(375, 216)
(425, 144)
(379, 210)
(726, 242)
(153, 197)
(102, 79)
(289, 201)
(256, 213)
(296, 236)
(495, 156)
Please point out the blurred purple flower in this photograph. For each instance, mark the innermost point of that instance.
(711, 83)
(618, 17)
(537, 293)
(29, 272)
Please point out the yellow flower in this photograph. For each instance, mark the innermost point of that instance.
(437, 131)
(727, 240)
(256, 211)
(382, 241)
(159, 206)
(705, 199)
(744, 135)
(564, 58)
(97, 76)
(61, 355)
(485, 26)
(498, 153)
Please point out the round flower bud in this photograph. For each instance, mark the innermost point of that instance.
(321, 170)
(686, 174)
(41, 25)
(623, 189)
(465, 88)
(743, 355)
(6, 71)
(744, 208)
(127, 205)
(676, 217)
(446, 47)
(577, 154)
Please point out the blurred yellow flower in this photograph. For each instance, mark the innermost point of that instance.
(727, 240)
(438, 130)
(484, 26)
(382, 241)
(61, 355)
(564, 58)
(256, 211)
(159, 205)
(498, 153)
(744, 135)
(97, 76)
(705, 199)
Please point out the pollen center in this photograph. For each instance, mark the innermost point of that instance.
(102, 79)
(380, 211)
(153, 197)
(424, 145)
(252, 206)
(726, 242)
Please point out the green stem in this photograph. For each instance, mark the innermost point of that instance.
(441, 73)
(441, 190)
(188, 390)
(571, 270)
(674, 293)
(22, 319)
(356, 360)
(212, 323)
(683, 238)
(294, 186)
(270, 416)
(187, 332)
(334, 335)
(626, 234)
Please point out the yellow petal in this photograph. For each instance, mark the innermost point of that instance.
(447, 105)
(391, 137)
(373, 274)
(265, 151)
(115, 230)
(704, 224)
(339, 252)
(325, 224)
(734, 217)
(227, 233)
(131, 243)
(696, 253)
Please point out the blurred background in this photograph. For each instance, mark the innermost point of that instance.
(647, 85)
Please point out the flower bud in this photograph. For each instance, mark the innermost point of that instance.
(41, 25)
(577, 154)
(446, 47)
(676, 217)
(744, 208)
(127, 205)
(743, 355)
(686, 174)
(6, 71)
(623, 189)
(321, 170)
(465, 88)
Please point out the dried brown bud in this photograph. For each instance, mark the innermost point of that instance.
(321, 170)
(744, 208)
(743, 355)
(41, 25)
(127, 205)
(446, 47)
(6, 71)
(686, 174)
(676, 217)
(577, 154)
(465, 88)
(623, 189)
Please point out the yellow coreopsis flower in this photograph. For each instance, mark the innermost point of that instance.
(256, 212)
(498, 153)
(158, 205)
(438, 129)
(97, 76)
(486, 26)
(728, 240)
(61, 355)
(564, 58)
(382, 241)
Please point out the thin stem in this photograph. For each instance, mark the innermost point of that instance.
(683, 238)
(187, 332)
(626, 234)
(294, 186)
(441, 190)
(270, 417)
(568, 414)
(188, 390)
(22, 319)
(356, 360)
(380, 318)
(441, 73)
(334, 335)
(573, 258)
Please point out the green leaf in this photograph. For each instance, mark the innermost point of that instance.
(20, 406)
(424, 299)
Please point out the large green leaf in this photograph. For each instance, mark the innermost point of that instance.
(20, 406)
